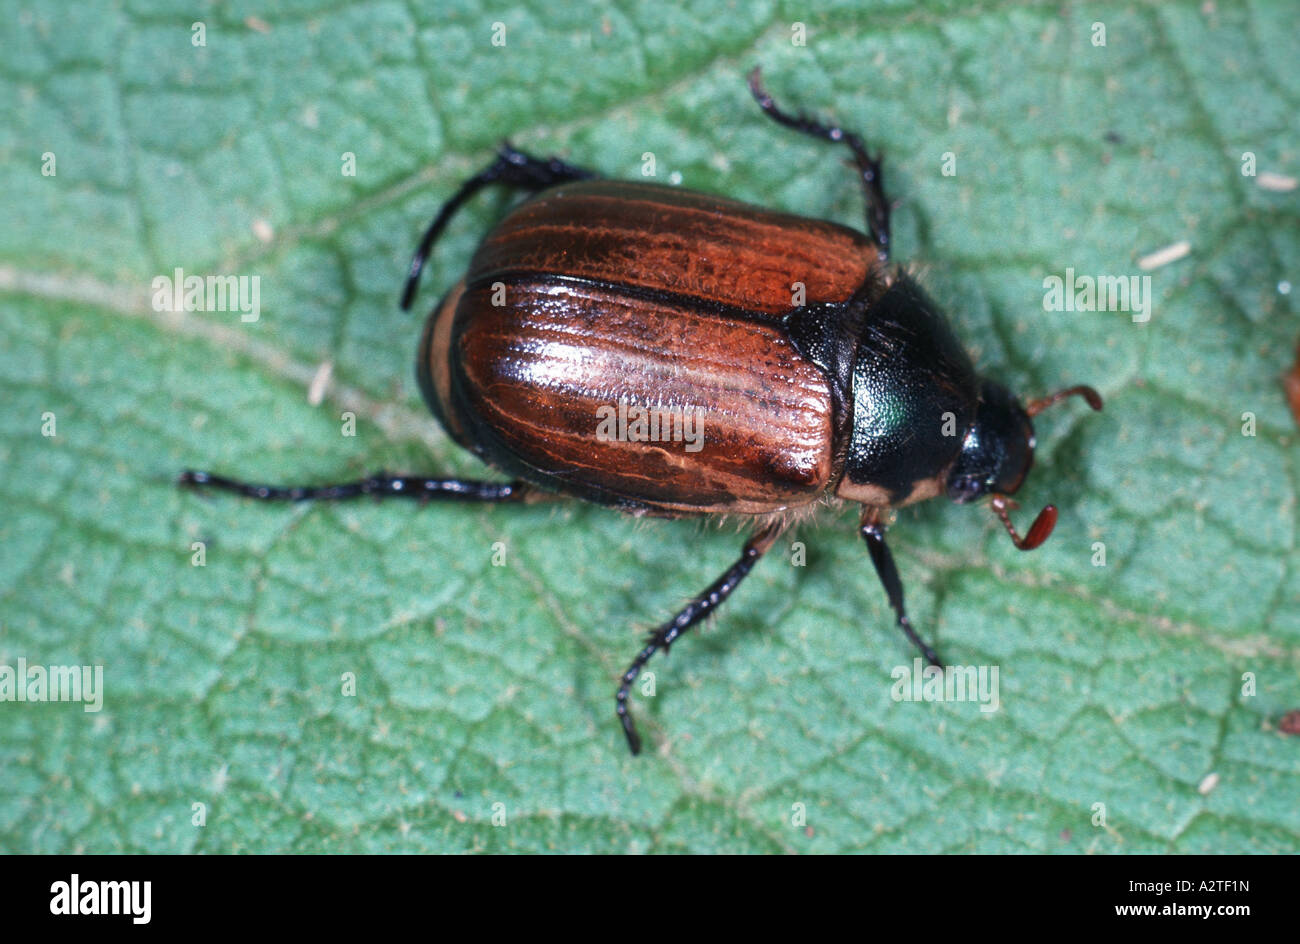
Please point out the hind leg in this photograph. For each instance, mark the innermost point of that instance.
(379, 485)
(512, 168)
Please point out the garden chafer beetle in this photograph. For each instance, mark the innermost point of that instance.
(810, 367)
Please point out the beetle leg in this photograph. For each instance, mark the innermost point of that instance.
(869, 168)
(692, 613)
(379, 485)
(512, 168)
(873, 532)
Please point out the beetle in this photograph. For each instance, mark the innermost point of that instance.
(594, 293)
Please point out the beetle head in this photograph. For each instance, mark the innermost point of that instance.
(998, 452)
(998, 449)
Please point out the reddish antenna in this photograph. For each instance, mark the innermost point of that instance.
(1034, 407)
(1042, 527)
(1039, 531)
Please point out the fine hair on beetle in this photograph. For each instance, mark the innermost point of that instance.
(635, 346)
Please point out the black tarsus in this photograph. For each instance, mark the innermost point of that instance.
(379, 485)
(873, 532)
(692, 613)
(869, 167)
(512, 168)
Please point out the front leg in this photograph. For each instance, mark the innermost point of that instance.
(692, 613)
(873, 532)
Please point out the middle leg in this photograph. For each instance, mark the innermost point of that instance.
(692, 613)
(869, 169)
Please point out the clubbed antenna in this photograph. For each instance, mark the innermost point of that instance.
(1039, 531)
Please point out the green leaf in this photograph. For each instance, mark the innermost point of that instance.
(479, 685)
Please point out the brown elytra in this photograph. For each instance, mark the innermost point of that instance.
(617, 295)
